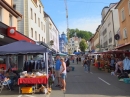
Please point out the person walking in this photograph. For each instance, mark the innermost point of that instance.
(67, 61)
(77, 59)
(57, 69)
(88, 64)
(63, 74)
(85, 64)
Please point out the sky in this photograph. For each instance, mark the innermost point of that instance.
(82, 14)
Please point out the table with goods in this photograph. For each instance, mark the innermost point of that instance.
(33, 82)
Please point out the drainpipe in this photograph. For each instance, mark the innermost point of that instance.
(113, 27)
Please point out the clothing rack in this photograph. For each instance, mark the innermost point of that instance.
(31, 65)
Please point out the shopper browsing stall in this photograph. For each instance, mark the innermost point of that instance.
(57, 68)
(63, 74)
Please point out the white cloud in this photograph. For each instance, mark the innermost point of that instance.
(88, 24)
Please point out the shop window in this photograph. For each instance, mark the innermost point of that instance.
(0, 14)
(35, 35)
(10, 20)
(31, 13)
(35, 18)
(31, 32)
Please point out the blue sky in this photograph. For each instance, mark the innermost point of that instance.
(83, 14)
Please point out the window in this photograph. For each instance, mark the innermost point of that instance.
(41, 25)
(31, 32)
(35, 18)
(39, 37)
(39, 22)
(10, 20)
(122, 14)
(31, 13)
(0, 14)
(129, 6)
(42, 39)
(35, 35)
(110, 34)
(14, 6)
(125, 33)
(44, 28)
(40, 8)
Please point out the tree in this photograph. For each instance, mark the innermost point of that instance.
(83, 45)
(80, 33)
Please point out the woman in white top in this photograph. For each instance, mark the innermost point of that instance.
(63, 73)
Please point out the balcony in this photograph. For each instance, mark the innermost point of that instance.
(110, 40)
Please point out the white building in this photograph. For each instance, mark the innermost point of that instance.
(109, 27)
(52, 32)
(73, 44)
(33, 23)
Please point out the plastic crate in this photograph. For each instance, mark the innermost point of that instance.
(26, 90)
(127, 80)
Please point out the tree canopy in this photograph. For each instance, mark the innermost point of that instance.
(80, 33)
(83, 45)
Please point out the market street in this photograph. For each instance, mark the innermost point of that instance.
(81, 84)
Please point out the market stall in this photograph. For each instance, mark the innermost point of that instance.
(23, 47)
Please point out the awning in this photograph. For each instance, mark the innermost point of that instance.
(21, 47)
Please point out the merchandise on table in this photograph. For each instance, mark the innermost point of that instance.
(24, 74)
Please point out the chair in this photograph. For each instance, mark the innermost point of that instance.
(3, 84)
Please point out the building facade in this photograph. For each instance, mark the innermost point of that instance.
(33, 22)
(124, 18)
(63, 43)
(9, 19)
(52, 32)
(109, 27)
(96, 40)
(73, 44)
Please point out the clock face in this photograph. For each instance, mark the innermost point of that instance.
(117, 37)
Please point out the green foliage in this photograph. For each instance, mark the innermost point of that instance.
(83, 45)
(80, 33)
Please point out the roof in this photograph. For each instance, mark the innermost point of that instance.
(109, 10)
(9, 8)
(91, 38)
(118, 3)
(46, 15)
